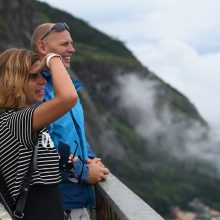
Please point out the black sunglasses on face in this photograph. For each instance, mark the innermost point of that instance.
(57, 27)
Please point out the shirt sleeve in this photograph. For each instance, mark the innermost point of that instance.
(20, 125)
(91, 153)
(82, 171)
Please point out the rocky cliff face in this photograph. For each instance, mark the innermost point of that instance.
(108, 123)
(17, 21)
(134, 120)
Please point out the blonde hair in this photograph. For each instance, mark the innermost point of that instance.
(15, 67)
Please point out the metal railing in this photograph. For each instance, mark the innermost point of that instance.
(115, 201)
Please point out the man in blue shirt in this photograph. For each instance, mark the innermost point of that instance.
(69, 130)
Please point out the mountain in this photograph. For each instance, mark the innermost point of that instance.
(15, 25)
(147, 132)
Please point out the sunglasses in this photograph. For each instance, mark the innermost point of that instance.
(68, 169)
(57, 27)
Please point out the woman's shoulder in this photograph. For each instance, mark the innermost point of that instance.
(19, 111)
(16, 115)
(6, 112)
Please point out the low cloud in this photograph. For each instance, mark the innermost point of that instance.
(177, 40)
(195, 75)
(138, 98)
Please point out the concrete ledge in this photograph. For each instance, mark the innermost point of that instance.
(115, 201)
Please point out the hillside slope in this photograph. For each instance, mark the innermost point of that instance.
(137, 123)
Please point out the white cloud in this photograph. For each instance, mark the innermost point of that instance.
(176, 39)
(195, 75)
(182, 139)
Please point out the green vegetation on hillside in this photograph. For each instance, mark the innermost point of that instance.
(164, 182)
(157, 177)
(83, 33)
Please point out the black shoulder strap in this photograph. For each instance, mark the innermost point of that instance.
(5, 204)
(19, 210)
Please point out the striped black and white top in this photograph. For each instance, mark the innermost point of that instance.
(17, 141)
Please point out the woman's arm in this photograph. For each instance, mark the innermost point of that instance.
(64, 92)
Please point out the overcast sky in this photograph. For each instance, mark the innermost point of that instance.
(178, 40)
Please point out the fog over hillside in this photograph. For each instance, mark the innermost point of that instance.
(176, 39)
(137, 98)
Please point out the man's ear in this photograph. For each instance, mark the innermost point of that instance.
(41, 47)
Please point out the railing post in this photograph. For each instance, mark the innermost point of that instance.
(101, 206)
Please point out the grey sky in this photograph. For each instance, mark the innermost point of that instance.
(176, 39)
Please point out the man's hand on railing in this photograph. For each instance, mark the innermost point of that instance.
(97, 171)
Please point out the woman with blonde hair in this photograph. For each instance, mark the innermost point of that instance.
(23, 123)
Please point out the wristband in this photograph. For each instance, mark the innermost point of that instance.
(50, 56)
